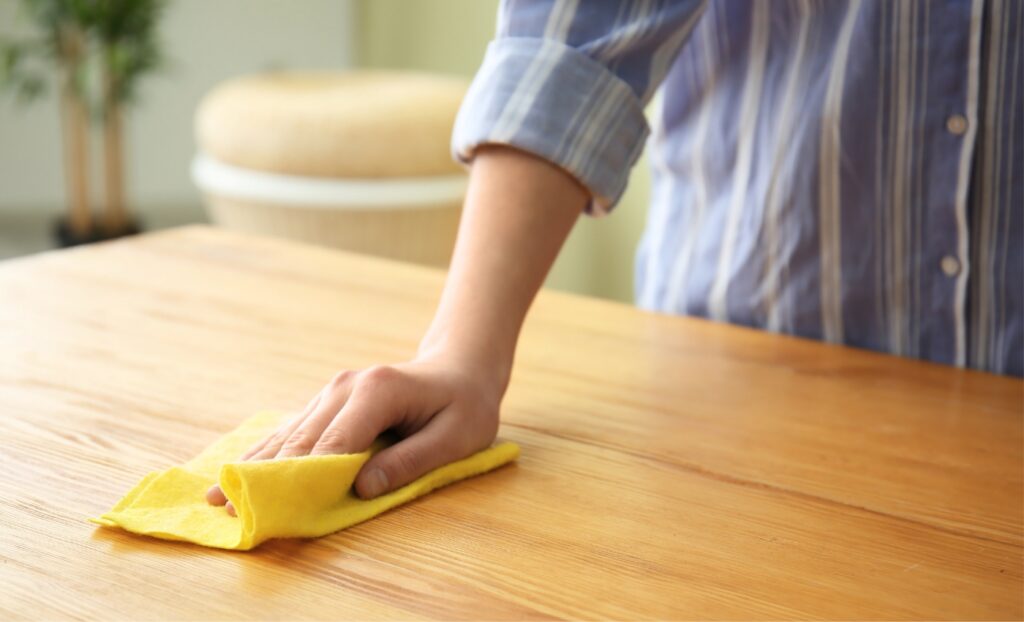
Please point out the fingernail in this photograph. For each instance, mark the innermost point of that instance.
(214, 495)
(376, 483)
(230, 508)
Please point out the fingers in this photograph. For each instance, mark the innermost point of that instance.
(352, 425)
(286, 429)
(381, 396)
(299, 438)
(437, 444)
(355, 408)
(215, 496)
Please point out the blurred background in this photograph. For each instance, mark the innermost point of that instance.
(206, 43)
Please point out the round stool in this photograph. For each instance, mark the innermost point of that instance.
(355, 160)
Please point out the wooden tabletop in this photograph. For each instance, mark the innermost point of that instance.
(671, 467)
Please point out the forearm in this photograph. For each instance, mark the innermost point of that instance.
(518, 211)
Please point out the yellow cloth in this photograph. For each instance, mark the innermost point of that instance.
(289, 498)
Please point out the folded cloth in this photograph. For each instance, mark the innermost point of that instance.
(301, 497)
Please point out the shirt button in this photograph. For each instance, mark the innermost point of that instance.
(956, 124)
(950, 265)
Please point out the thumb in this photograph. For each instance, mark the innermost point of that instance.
(435, 445)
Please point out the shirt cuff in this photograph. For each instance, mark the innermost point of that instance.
(549, 99)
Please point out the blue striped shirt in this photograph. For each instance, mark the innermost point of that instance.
(845, 171)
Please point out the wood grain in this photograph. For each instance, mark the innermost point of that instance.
(671, 467)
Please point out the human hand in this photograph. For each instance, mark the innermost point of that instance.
(444, 411)
(519, 209)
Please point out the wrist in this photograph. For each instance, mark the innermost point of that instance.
(489, 361)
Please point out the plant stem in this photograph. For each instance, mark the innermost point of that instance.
(116, 218)
(74, 129)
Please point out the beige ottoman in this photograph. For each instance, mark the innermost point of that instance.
(358, 160)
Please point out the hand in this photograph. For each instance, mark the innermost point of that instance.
(518, 211)
(443, 411)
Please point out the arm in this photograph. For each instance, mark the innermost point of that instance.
(518, 212)
(566, 82)
(444, 402)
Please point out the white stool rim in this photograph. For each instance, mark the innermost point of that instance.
(225, 180)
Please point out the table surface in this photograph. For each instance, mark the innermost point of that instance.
(671, 467)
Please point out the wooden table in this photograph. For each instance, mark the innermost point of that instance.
(671, 467)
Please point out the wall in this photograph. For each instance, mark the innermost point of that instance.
(206, 41)
(450, 36)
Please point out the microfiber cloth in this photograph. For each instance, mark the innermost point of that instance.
(300, 497)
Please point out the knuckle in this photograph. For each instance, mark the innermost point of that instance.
(341, 378)
(404, 463)
(332, 440)
(378, 375)
(271, 448)
(254, 449)
(278, 438)
(298, 440)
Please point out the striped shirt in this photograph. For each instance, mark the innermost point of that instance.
(845, 171)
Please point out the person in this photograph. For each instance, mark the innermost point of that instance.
(844, 171)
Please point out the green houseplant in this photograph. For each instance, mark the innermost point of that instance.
(126, 33)
(98, 51)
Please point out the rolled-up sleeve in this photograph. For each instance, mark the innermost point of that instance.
(568, 81)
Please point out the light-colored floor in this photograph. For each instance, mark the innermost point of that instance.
(23, 232)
